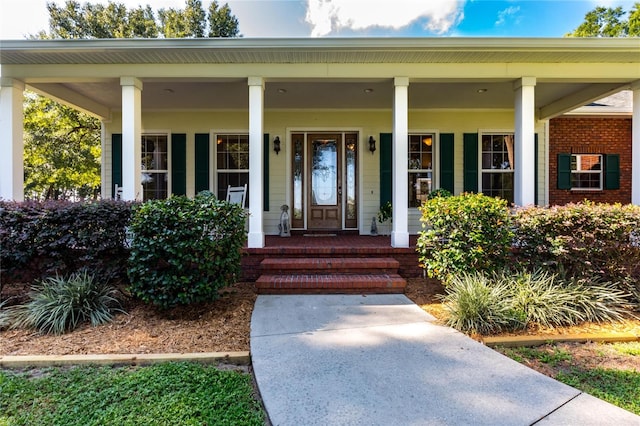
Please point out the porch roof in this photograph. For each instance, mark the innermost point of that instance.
(321, 50)
(444, 73)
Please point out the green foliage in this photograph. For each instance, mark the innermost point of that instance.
(62, 151)
(113, 20)
(184, 250)
(440, 192)
(162, 394)
(551, 356)
(549, 301)
(627, 348)
(476, 305)
(386, 212)
(485, 304)
(221, 22)
(59, 237)
(58, 305)
(609, 22)
(618, 387)
(582, 241)
(463, 233)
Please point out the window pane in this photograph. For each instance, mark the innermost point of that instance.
(420, 167)
(154, 186)
(586, 171)
(232, 159)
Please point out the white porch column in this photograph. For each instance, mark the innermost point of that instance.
(524, 167)
(11, 140)
(255, 239)
(105, 190)
(635, 144)
(131, 138)
(400, 232)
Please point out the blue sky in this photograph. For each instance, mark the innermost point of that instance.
(387, 18)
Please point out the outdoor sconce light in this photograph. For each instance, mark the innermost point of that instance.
(276, 145)
(372, 144)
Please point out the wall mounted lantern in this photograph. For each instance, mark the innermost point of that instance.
(276, 145)
(372, 144)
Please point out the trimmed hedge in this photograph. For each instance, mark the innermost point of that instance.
(464, 233)
(582, 240)
(59, 237)
(183, 250)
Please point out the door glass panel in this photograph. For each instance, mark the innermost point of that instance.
(350, 150)
(298, 178)
(324, 174)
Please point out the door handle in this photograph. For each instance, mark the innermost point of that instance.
(340, 190)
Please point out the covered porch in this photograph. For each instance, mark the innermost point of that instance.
(194, 96)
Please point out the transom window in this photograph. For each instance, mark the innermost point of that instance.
(586, 171)
(420, 167)
(497, 165)
(232, 162)
(155, 166)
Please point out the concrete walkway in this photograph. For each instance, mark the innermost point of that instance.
(380, 360)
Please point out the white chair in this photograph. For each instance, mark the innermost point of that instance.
(117, 193)
(237, 195)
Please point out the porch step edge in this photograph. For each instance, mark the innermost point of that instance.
(334, 283)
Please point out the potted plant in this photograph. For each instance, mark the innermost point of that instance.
(385, 217)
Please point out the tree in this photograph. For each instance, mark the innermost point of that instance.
(62, 145)
(221, 22)
(609, 22)
(62, 151)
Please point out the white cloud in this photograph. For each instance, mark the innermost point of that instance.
(327, 16)
(509, 12)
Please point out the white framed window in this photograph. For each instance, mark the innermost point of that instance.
(232, 161)
(497, 157)
(155, 166)
(421, 162)
(586, 171)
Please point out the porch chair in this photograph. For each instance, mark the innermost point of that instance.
(237, 194)
(117, 193)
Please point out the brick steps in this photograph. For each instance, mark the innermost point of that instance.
(330, 265)
(284, 275)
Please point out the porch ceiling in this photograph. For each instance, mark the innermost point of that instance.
(210, 95)
(332, 73)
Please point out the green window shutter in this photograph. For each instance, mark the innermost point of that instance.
(265, 173)
(564, 171)
(202, 162)
(535, 169)
(446, 161)
(386, 168)
(116, 161)
(179, 164)
(612, 171)
(470, 162)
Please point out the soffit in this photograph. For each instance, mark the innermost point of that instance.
(327, 50)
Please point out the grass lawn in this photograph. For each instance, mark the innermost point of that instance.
(618, 386)
(162, 394)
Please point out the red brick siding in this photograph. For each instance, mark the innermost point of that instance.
(589, 135)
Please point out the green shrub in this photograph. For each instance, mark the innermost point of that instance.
(440, 192)
(56, 237)
(549, 301)
(582, 240)
(505, 301)
(475, 304)
(464, 233)
(183, 250)
(60, 304)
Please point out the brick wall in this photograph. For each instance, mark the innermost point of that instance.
(590, 135)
